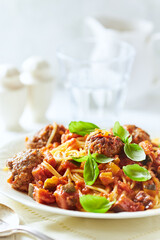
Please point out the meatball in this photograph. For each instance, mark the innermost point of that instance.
(66, 196)
(138, 135)
(40, 139)
(108, 145)
(21, 166)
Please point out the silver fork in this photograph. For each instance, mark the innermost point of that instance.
(9, 224)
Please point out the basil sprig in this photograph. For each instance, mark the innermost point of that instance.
(137, 173)
(99, 158)
(91, 170)
(82, 128)
(80, 159)
(132, 150)
(122, 133)
(96, 204)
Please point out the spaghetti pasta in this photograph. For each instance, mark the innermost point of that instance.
(52, 134)
(100, 173)
(51, 169)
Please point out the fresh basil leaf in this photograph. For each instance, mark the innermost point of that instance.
(80, 159)
(119, 131)
(91, 171)
(78, 164)
(100, 158)
(137, 173)
(96, 204)
(134, 152)
(129, 139)
(89, 153)
(82, 128)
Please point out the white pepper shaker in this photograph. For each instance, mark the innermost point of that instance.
(12, 97)
(37, 76)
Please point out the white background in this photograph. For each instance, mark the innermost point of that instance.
(36, 27)
(30, 27)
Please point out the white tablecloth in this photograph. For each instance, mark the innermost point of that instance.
(66, 228)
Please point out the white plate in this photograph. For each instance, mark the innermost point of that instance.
(18, 145)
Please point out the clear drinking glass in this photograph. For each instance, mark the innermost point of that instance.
(96, 74)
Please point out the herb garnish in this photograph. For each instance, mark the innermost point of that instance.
(91, 170)
(100, 158)
(137, 173)
(82, 128)
(132, 150)
(122, 133)
(96, 204)
(80, 159)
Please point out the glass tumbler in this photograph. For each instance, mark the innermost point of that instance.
(95, 73)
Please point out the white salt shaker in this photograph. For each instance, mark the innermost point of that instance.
(12, 97)
(37, 76)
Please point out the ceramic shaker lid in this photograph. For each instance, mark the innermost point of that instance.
(36, 69)
(9, 77)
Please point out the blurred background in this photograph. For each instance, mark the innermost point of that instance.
(38, 27)
(31, 27)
